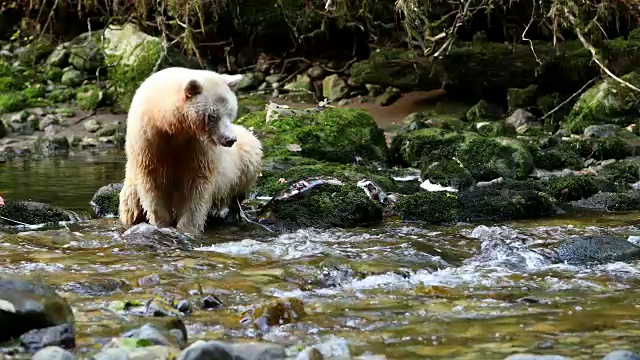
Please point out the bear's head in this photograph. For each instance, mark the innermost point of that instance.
(212, 106)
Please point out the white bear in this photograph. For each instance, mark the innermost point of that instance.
(184, 154)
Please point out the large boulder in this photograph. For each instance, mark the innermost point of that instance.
(26, 305)
(31, 213)
(485, 157)
(136, 55)
(608, 102)
(328, 134)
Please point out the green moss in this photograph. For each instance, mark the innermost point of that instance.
(521, 98)
(430, 207)
(53, 74)
(448, 173)
(601, 148)
(89, 97)
(571, 188)
(8, 83)
(126, 78)
(13, 101)
(333, 134)
(61, 95)
(621, 172)
(500, 204)
(482, 111)
(496, 128)
(250, 104)
(424, 146)
(294, 169)
(32, 213)
(325, 206)
(488, 159)
(557, 159)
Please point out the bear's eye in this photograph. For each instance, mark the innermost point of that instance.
(212, 118)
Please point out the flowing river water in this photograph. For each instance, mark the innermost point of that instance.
(400, 290)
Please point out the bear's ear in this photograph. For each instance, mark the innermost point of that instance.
(231, 80)
(192, 88)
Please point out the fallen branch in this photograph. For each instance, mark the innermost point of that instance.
(569, 98)
(594, 54)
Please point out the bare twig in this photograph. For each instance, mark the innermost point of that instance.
(594, 53)
(533, 12)
(569, 98)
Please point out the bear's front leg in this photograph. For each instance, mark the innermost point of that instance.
(194, 206)
(153, 200)
(130, 209)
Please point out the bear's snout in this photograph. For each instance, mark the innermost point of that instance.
(228, 141)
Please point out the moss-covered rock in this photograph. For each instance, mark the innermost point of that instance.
(430, 119)
(425, 146)
(32, 213)
(250, 104)
(496, 128)
(557, 159)
(37, 50)
(601, 148)
(518, 98)
(85, 51)
(483, 111)
(488, 159)
(136, 55)
(608, 102)
(611, 201)
(571, 188)
(430, 207)
(89, 97)
(448, 173)
(492, 203)
(293, 169)
(622, 172)
(332, 134)
(323, 206)
(106, 200)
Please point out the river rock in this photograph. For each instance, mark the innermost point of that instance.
(85, 51)
(334, 88)
(71, 77)
(388, 97)
(60, 335)
(483, 111)
(608, 102)
(59, 57)
(250, 81)
(106, 200)
(611, 201)
(327, 134)
(523, 121)
(521, 98)
(596, 249)
(622, 355)
(302, 82)
(26, 305)
(602, 131)
(32, 213)
(153, 237)
(112, 354)
(535, 357)
(167, 333)
(53, 353)
(320, 204)
(201, 350)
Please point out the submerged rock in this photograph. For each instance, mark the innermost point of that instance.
(596, 249)
(622, 355)
(26, 305)
(31, 213)
(201, 350)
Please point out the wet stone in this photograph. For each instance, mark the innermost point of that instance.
(596, 249)
(622, 355)
(185, 307)
(112, 354)
(53, 353)
(202, 350)
(27, 305)
(211, 302)
(535, 357)
(61, 335)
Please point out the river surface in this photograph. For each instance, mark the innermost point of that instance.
(397, 289)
